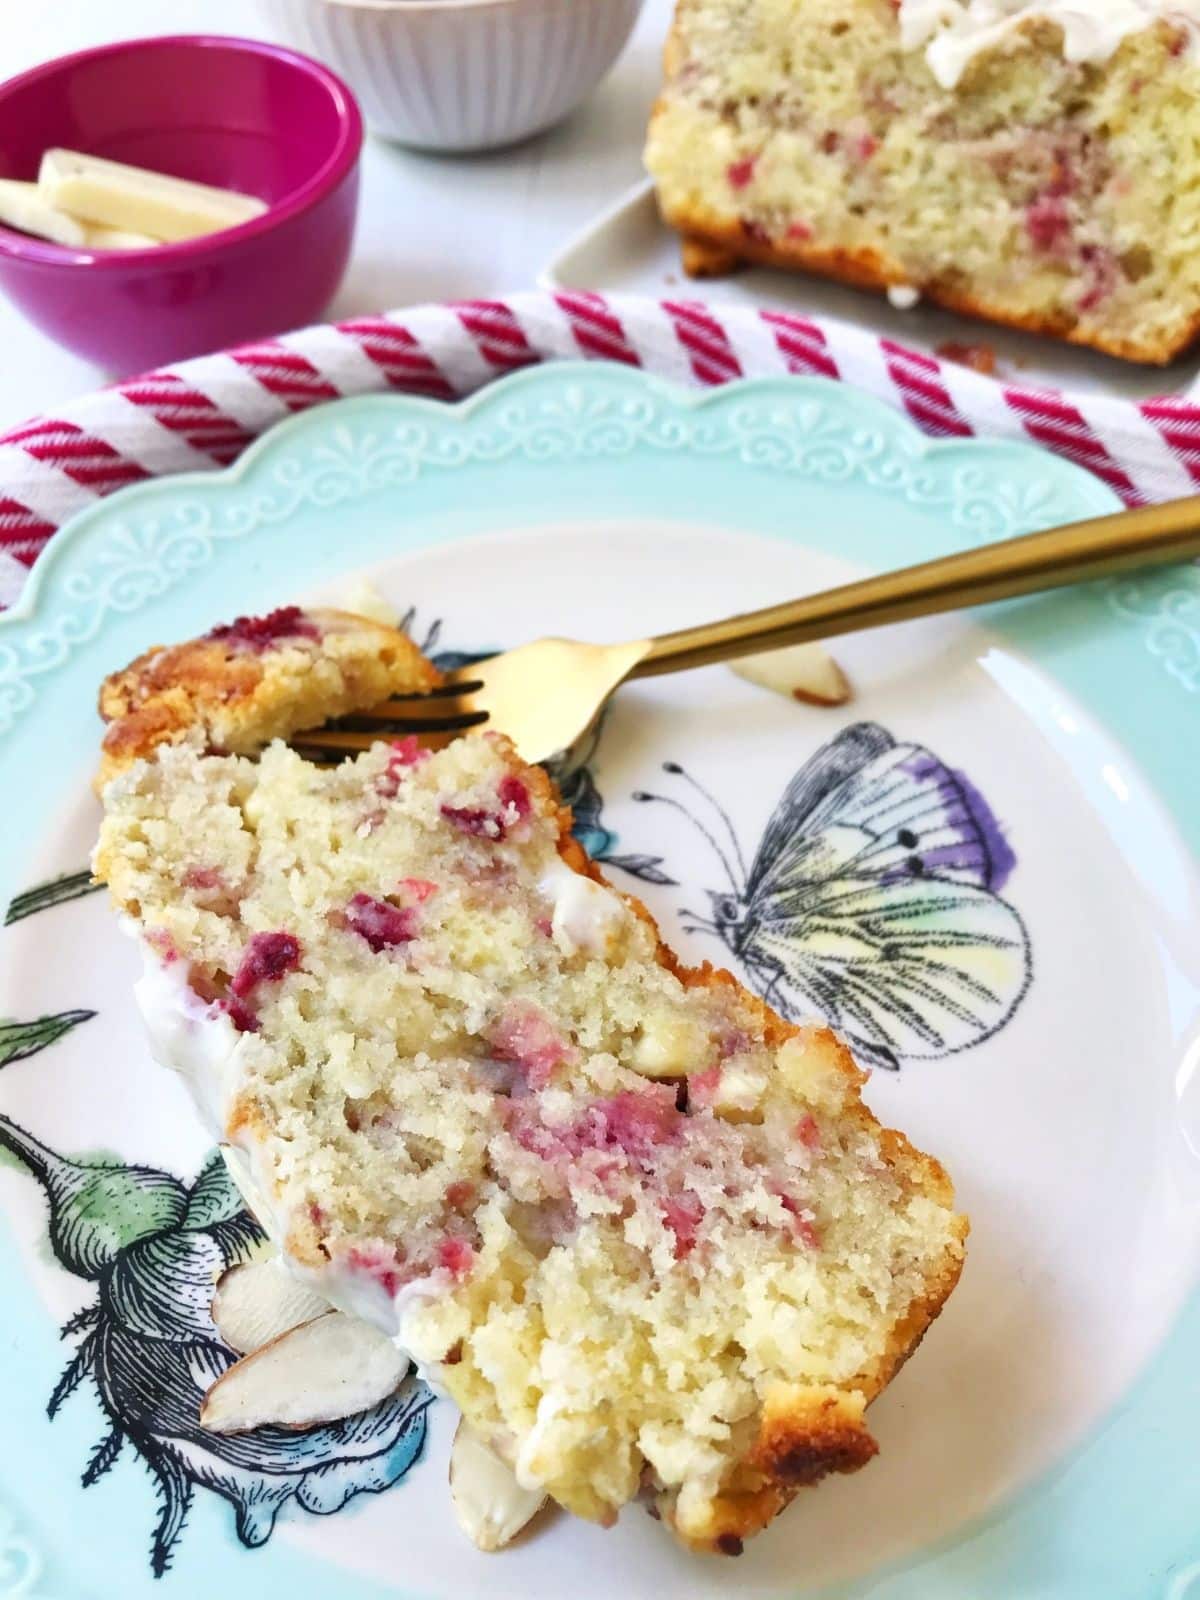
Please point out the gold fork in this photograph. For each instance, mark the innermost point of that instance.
(547, 694)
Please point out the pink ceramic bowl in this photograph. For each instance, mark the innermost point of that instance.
(230, 112)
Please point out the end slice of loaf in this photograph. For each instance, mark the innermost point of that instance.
(1057, 196)
(646, 1234)
(255, 679)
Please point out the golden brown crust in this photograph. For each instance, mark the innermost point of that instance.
(712, 247)
(805, 1432)
(703, 258)
(808, 1431)
(242, 697)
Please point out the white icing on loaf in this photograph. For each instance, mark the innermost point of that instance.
(953, 32)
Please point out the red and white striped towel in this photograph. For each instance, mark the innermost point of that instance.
(202, 413)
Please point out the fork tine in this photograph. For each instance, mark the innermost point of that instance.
(332, 741)
(444, 691)
(379, 726)
(435, 714)
(413, 712)
(340, 741)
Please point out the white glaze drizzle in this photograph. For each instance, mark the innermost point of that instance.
(953, 32)
(194, 1038)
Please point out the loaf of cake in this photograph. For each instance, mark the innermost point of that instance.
(643, 1232)
(255, 679)
(1034, 162)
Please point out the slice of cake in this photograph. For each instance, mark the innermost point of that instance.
(644, 1233)
(1033, 163)
(255, 679)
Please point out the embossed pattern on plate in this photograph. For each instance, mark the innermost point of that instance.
(615, 502)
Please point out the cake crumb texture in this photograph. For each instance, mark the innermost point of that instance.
(645, 1233)
(255, 679)
(1057, 196)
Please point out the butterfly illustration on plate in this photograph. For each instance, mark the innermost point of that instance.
(873, 900)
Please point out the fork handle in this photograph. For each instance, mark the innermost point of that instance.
(1036, 561)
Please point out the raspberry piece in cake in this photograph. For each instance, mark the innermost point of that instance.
(682, 1214)
(645, 1233)
(381, 924)
(456, 1256)
(476, 820)
(492, 822)
(1029, 161)
(267, 958)
(807, 1131)
(405, 753)
(260, 633)
(525, 1036)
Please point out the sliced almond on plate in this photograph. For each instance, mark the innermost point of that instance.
(491, 1506)
(257, 1301)
(332, 1367)
(804, 672)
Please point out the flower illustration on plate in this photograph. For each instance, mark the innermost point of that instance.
(153, 1246)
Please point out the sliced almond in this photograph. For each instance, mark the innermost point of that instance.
(257, 1301)
(322, 1371)
(804, 672)
(491, 1506)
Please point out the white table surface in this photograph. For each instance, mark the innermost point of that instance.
(522, 202)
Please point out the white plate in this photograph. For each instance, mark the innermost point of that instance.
(1066, 1108)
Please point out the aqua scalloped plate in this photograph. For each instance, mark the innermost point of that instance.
(1043, 1440)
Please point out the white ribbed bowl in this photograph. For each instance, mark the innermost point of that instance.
(461, 74)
